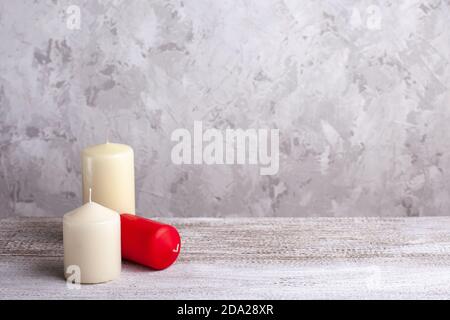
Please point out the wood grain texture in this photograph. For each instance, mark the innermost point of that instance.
(249, 258)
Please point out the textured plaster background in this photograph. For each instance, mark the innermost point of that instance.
(359, 92)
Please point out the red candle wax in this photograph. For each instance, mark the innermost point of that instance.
(153, 244)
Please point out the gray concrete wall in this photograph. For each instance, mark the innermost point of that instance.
(358, 89)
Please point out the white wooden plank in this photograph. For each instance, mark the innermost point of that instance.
(282, 258)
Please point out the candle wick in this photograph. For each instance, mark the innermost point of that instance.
(90, 195)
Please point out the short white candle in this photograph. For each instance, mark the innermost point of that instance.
(109, 170)
(91, 236)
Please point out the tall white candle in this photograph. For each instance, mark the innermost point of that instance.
(91, 236)
(109, 170)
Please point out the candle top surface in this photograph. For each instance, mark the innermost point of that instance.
(108, 149)
(90, 212)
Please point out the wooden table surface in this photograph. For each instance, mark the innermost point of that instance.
(249, 258)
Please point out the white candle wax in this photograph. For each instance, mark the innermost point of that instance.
(91, 236)
(109, 170)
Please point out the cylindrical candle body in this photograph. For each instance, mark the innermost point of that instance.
(91, 236)
(109, 170)
(153, 244)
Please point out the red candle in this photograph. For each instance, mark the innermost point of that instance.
(153, 244)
